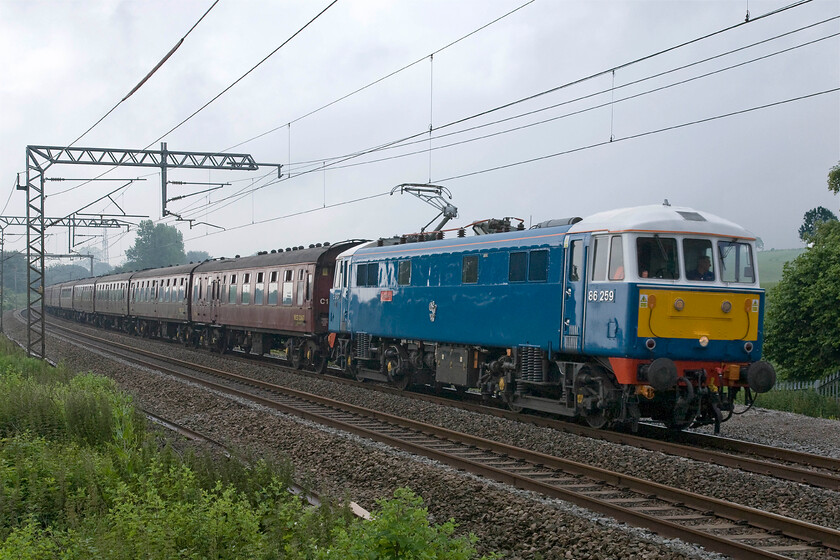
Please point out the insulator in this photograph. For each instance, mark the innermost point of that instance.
(462, 233)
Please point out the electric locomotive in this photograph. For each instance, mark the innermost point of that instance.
(652, 311)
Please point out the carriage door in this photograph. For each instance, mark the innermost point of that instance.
(339, 296)
(214, 290)
(574, 295)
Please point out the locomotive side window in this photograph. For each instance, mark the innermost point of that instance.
(538, 266)
(272, 288)
(232, 289)
(516, 270)
(736, 262)
(697, 258)
(599, 260)
(246, 289)
(258, 290)
(404, 273)
(616, 259)
(469, 270)
(575, 260)
(657, 257)
(373, 274)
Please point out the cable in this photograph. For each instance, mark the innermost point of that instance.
(242, 77)
(383, 78)
(149, 75)
(250, 189)
(601, 92)
(581, 111)
(640, 135)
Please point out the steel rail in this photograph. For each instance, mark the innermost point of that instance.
(773, 523)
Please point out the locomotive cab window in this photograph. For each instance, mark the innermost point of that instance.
(697, 259)
(469, 270)
(575, 260)
(736, 262)
(657, 257)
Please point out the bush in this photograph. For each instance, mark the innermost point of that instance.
(81, 478)
(401, 529)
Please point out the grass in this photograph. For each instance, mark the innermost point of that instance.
(81, 477)
(807, 402)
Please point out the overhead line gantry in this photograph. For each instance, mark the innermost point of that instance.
(41, 158)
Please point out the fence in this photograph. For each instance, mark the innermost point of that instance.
(828, 386)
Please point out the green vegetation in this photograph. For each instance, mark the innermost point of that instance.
(81, 477)
(771, 265)
(807, 402)
(802, 322)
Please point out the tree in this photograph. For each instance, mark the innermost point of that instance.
(812, 218)
(834, 179)
(802, 326)
(197, 256)
(156, 245)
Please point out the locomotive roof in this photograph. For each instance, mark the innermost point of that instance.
(659, 218)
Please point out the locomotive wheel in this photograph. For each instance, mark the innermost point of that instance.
(315, 357)
(587, 384)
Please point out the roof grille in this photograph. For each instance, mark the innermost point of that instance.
(692, 216)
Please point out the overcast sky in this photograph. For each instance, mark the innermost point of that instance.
(65, 64)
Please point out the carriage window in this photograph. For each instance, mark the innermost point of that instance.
(516, 271)
(246, 289)
(469, 269)
(258, 290)
(697, 258)
(196, 295)
(538, 266)
(232, 289)
(288, 287)
(736, 263)
(308, 286)
(575, 261)
(616, 259)
(404, 273)
(657, 257)
(272, 289)
(300, 288)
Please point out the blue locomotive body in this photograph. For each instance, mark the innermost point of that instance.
(605, 318)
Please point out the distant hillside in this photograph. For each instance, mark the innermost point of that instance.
(771, 263)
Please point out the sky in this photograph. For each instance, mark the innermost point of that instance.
(735, 142)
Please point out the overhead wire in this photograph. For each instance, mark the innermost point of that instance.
(790, 6)
(149, 74)
(391, 145)
(383, 78)
(640, 135)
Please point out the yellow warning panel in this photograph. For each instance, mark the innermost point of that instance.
(692, 314)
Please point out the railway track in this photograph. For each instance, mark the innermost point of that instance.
(719, 525)
(784, 464)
